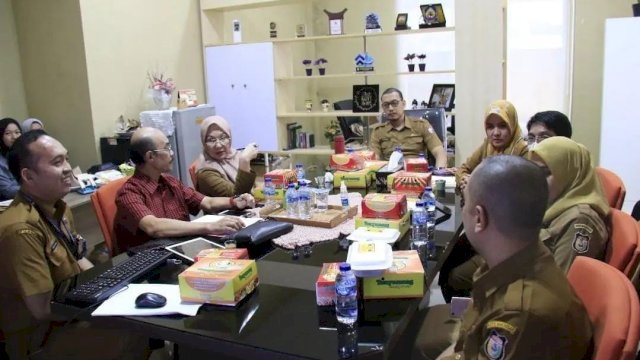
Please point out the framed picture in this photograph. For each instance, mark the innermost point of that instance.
(365, 98)
(401, 21)
(432, 15)
(443, 95)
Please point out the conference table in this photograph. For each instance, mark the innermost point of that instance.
(280, 319)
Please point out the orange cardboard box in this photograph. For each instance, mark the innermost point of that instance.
(404, 279)
(281, 177)
(419, 164)
(384, 206)
(218, 281)
(326, 284)
(346, 162)
(222, 253)
(410, 183)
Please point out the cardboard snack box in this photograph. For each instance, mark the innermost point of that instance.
(258, 194)
(222, 254)
(218, 281)
(404, 279)
(281, 177)
(353, 179)
(401, 225)
(326, 284)
(419, 164)
(384, 206)
(410, 183)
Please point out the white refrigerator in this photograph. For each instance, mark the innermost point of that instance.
(186, 139)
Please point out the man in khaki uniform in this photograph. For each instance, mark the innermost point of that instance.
(39, 248)
(412, 135)
(522, 305)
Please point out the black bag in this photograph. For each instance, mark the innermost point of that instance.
(260, 232)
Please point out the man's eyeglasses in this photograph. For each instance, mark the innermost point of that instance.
(168, 148)
(532, 139)
(393, 103)
(212, 141)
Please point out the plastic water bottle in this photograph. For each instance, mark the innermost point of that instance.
(328, 180)
(269, 191)
(300, 172)
(344, 196)
(346, 295)
(304, 202)
(396, 157)
(347, 341)
(291, 199)
(419, 232)
(429, 199)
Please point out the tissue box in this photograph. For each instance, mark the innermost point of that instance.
(218, 281)
(401, 225)
(281, 177)
(410, 183)
(416, 165)
(381, 178)
(222, 254)
(353, 179)
(404, 279)
(385, 206)
(326, 284)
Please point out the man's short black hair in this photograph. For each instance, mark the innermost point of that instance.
(391, 91)
(20, 155)
(139, 148)
(554, 120)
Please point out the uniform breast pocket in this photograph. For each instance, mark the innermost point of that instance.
(415, 140)
(56, 253)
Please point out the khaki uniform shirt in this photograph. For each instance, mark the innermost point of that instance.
(416, 136)
(211, 183)
(32, 260)
(578, 231)
(524, 308)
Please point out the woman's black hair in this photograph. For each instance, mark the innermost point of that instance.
(4, 123)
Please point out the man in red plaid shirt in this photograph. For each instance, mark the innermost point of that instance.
(154, 204)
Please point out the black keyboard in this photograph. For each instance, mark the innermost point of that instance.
(117, 277)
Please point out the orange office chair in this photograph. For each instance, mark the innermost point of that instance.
(104, 204)
(615, 317)
(192, 173)
(613, 187)
(624, 239)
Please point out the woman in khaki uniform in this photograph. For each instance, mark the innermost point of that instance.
(222, 170)
(503, 137)
(574, 223)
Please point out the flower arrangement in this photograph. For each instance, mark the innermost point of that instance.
(158, 82)
(332, 130)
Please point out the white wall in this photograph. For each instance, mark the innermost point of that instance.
(12, 100)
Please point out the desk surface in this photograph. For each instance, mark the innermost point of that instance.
(280, 319)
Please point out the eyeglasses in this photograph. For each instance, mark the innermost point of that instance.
(212, 141)
(532, 139)
(393, 103)
(168, 148)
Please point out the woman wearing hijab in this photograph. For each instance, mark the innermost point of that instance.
(222, 170)
(574, 223)
(503, 137)
(32, 124)
(10, 130)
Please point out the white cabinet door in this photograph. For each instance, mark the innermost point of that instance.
(240, 84)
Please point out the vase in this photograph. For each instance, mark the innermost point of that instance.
(332, 144)
(309, 71)
(162, 99)
(322, 71)
(636, 9)
(422, 66)
(412, 67)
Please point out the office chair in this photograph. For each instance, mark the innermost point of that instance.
(616, 316)
(192, 173)
(352, 127)
(624, 238)
(613, 187)
(104, 204)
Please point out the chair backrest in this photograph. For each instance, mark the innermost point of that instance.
(612, 305)
(624, 236)
(104, 204)
(613, 187)
(192, 173)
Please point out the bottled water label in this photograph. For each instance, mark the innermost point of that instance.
(346, 297)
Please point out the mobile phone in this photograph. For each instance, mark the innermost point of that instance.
(236, 212)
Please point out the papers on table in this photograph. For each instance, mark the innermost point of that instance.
(123, 303)
(6, 203)
(214, 218)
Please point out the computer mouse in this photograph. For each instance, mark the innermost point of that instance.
(150, 301)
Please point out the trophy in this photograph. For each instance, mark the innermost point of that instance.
(372, 23)
(364, 62)
(336, 22)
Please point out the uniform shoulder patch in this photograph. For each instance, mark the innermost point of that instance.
(581, 242)
(495, 324)
(26, 232)
(584, 227)
(495, 346)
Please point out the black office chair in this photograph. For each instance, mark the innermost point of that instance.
(352, 127)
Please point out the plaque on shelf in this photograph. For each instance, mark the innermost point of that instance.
(432, 15)
(401, 22)
(301, 30)
(273, 32)
(443, 96)
(336, 22)
(372, 23)
(365, 98)
(364, 62)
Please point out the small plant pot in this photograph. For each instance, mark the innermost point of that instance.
(322, 71)
(636, 9)
(422, 66)
(309, 71)
(412, 67)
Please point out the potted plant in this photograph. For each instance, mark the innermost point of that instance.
(307, 63)
(636, 9)
(409, 59)
(422, 65)
(331, 131)
(320, 63)
(162, 89)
